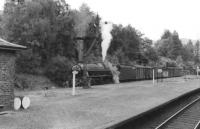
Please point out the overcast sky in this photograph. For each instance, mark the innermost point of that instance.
(151, 17)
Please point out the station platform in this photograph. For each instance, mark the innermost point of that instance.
(95, 108)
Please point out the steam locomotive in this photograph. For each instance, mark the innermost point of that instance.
(99, 73)
(94, 74)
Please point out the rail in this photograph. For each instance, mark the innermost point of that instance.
(197, 125)
(178, 112)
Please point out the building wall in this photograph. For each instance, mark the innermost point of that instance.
(7, 71)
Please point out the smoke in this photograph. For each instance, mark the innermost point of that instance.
(114, 70)
(106, 29)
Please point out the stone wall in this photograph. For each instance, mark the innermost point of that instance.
(7, 71)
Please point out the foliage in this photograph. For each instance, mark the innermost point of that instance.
(167, 34)
(169, 45)
(197, 53)
(188, 51)
(58, 70)
(175, 46)
(32, 82)
(179, 61)
(27, 62)
(162, 47)
(48, 28)
(45, 26)
(20, 83)
(151, 54)
(126, 43)
(166, 62)
(149, 51)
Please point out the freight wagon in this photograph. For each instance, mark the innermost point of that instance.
(137, 72)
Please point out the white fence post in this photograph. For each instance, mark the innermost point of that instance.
(153, 76)
(74, 82)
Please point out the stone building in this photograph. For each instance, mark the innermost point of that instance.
(7, 71)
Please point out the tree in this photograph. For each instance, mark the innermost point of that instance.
(125, 44)
(188, 51)
(151, 54)
(197, 52)
(170, 45)
(145, 44)
(163, 46)
(58, 70)
(148, 50)
(175, 48)
(45, 26)
(167, 34)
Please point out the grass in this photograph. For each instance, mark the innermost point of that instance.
(90, 108)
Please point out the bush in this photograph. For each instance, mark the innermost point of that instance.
(32, 82)
(20, 83)
(27, 62)
(58, 70)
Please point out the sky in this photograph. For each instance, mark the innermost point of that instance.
(151, 17)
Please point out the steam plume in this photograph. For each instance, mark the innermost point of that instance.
(106, 29)
(114, 70)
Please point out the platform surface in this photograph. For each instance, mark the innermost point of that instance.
(95, 108)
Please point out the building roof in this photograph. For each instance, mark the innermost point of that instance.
(10, 46)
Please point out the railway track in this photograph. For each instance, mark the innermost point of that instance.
(186, 118)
